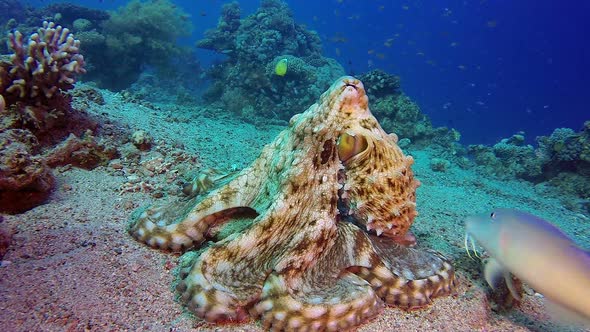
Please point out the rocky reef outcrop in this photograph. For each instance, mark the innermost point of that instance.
(399, 114)
(561, 160)
(246, 83)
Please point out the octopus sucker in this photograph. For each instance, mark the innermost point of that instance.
(313, 235)
(293, 311)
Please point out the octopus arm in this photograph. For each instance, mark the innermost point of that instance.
(226, 280)
(408, 277)
(177, 227)
(325, 297)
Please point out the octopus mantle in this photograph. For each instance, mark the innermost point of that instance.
(312, 235)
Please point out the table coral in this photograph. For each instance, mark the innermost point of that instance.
(313, 235)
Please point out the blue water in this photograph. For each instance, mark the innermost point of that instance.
(487, 68)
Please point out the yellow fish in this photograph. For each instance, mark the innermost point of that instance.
(281, 67)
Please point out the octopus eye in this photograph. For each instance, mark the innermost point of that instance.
(349, 146)
(493, 215)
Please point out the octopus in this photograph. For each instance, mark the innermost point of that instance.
(313, 235)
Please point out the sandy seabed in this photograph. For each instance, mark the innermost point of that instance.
(71, 265)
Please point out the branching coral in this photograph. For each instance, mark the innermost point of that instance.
(48, 62)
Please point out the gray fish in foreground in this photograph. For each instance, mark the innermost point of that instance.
(538, 253)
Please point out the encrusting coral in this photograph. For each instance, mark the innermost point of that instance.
(313, 235)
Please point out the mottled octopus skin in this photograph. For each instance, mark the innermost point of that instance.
(318, 252)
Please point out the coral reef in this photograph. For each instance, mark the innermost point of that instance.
(566, 148)
(137, 35)
(313, 235)
(561, 159)
(222, 39)
(380, 84)
(566, 162)
(68, 13)
(246, 83)
(397, 113)
(564, 151)
(508, 158)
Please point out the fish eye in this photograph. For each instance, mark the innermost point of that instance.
(493, 215)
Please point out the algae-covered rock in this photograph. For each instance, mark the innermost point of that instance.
(25, 179)
(83, 152)
(142, 140)
(508, 158)
(439, 164)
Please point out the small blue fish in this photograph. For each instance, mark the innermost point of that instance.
(538, 253)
